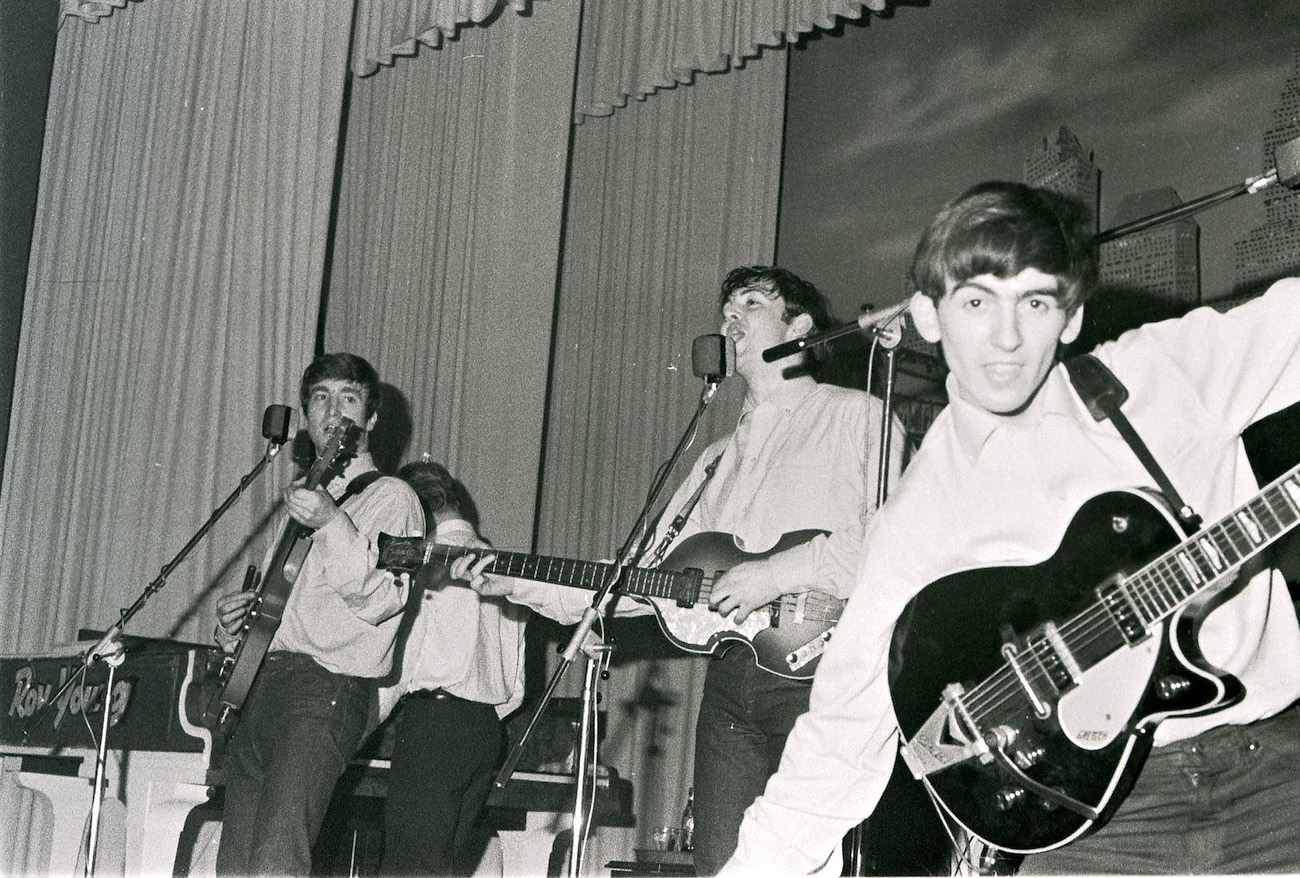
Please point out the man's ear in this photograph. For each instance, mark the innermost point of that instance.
(1073, 326)
(800, 326)
(371, 421)
(926, 317)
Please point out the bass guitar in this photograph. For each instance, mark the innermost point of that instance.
(787, 636)
(272, 591)
(1027, 696)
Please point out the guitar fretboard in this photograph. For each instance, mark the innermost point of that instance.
(591, 575)
(1127, 607)
(1180, 574)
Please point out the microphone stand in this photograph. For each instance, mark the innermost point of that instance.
(1196, 205)
(598, 654)
(110, 650)
(888, 335)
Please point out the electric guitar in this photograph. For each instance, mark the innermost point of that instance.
(787, 636)
(1077, 660)
(272, 591)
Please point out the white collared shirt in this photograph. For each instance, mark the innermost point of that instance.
(988, 490)
(469, 645)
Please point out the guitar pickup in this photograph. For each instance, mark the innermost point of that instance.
(687, 594)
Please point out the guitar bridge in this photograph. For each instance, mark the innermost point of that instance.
(947, 738)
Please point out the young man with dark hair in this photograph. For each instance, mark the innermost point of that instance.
(460, 672)
(316, 689)
(982, 515)
(803, 457)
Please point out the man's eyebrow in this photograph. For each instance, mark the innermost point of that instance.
(347, 386)
(1053, 292)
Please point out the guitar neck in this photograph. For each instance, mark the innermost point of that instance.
(1127, 607)
(1199, 562)
(591, 575)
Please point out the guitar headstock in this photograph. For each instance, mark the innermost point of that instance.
(341, 444)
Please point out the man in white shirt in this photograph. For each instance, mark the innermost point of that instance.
(459, 672)
(1002, 274)
(803, 457)
(309, 704)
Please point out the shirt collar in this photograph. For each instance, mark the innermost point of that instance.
(453, 527)
(974, 426)
(787, 396)
(360, 464)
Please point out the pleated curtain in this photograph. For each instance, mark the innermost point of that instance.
(447, 247)
(633, 49)
(173, 293)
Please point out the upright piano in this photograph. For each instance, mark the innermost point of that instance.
(156, 771)
(163, 774)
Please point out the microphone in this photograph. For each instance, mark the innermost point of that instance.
(713, 357)
(275, 423)
(873, 322)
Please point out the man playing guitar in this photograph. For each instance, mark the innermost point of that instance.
(1002, 273)
(314, 692)
(802, 458)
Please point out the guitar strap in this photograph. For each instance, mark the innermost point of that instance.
(357, 485)
(679, 521)
(1103, 394)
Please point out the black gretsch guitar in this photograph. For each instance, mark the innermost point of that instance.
(272, 590)
(1027, 696)
(787, 636)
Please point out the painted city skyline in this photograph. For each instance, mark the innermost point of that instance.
(1164, 94)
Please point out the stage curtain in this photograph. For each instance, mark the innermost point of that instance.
(635, 49)
(628, 49)
(447, 248)
(665, 196)
(173, 293)
(386, 29)
(90, 10)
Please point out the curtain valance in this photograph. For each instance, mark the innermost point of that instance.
(386, 29)
(627, 49)
(631, 50)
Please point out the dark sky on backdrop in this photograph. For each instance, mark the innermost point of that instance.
(889, 120)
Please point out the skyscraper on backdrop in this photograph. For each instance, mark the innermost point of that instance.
(1272, 250)
(1144, 276)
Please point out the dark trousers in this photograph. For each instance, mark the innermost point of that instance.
(746, 714)
(445, 752)
(1223, 802)
(297, 731)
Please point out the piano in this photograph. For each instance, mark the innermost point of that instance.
(163, 779)
(158, 762)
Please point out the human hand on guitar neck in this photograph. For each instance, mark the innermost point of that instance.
(469, 568)
(744, 588)
(310, 508)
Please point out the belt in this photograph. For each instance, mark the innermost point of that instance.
(432, 695)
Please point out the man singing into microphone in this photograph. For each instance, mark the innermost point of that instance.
(309, 705)
(802, 457)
